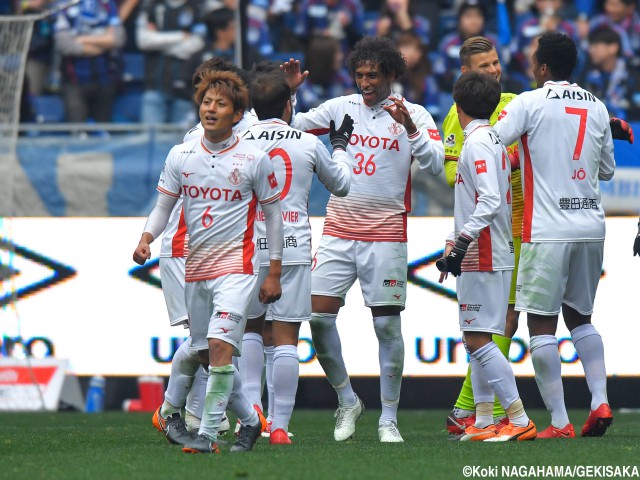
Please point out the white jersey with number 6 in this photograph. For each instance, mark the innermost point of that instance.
(220, 193)
(565, 148)
(380, 154)
(296, 155)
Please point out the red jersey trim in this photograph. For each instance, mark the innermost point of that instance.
(527, 213)
(167, 192)
(248, 246)
(178, 240)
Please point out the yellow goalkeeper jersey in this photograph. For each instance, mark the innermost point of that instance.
(453, 139)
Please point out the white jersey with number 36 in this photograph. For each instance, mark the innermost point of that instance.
(380, 154)
(220, 192)
(296, 155)
(565, 148)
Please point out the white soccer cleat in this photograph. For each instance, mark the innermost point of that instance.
(346, 418)
(388, 433)
(224, 425)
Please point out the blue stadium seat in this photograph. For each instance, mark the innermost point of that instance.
(48, 108)
(133, 68)
(126, 108)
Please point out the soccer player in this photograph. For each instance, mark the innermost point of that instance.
(478, 54)
(565, 148)
(221, 179)
(296, 156)
(481, 247)
(187, 383)
(365, 233)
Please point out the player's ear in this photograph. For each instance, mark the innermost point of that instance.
(237, 115)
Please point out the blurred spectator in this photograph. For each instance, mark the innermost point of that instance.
(258, 35)
(328, 78)
(128, 11)
(168, 35)
(399, 16)
(519, 77)
(607, 75)
(544, 16)
(417, 85)
(471, 23)
(88, 37)
(621, 16)
(340, 19)
(40, 56)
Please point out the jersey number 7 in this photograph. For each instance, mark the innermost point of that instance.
(582, 113)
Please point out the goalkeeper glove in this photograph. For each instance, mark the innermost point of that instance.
(621, 130)
(453, 262)
(636, 244)
(340, 138)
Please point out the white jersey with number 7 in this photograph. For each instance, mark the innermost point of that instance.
(380, 154)
(565, 149)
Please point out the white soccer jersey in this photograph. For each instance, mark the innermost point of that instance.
(482, 207)
(248, 119)
(380, 154)
(565, 147)
(296, 155)
(220, 190)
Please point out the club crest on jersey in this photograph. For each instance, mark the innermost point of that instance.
(451, 140)
(235, 177)
(251, 158)
(395, 129)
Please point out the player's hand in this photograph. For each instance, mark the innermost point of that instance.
(636, 244)
(142, 253)
(292, 73)
(270, 291)
(340, 138)
(453, 261)
(400, 114)
(441, 264)
(621, 130)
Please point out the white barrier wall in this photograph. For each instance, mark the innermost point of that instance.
(78, 300)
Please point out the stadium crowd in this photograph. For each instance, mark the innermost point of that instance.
(140, 51)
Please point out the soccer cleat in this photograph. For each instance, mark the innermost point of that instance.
(224, 425)
(346, 418)
(512, 433)
(172, 427)
(475, 434)
(267, 431)
(598, 421)
(553, 432)
(247, 437)
(500, 424)
(279, 437)
(457, 425)
(201, 444)
(388, 433)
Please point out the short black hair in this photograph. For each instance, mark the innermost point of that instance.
(379, 51)
(477, 94)
(270, 93)
(559, 52)
(218, 19)
(606, 35)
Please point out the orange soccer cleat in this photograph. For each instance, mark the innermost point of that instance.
(279, 437)
(598, 421)
(475, 434)
(457, 426)
(512, 433)
(553, 432)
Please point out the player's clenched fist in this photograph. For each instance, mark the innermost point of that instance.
(453, 261)
(270, 291)
(620, 130)
(340, 138)
(142, 253)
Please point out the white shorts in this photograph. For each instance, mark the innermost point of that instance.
(295, 303)
(172, 278)
(483, 298)
(380, 267)
(551, 274)
(218, 309)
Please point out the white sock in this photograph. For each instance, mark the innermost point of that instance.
(250, 365)
(195, 399)
(183, 370)
(219, 387)
(239, 403)
(326, 342)
(500, 378)
(391, 359)
(286, 371)
(269, 353)
(483, 395)
(588, 343)
(546, 364)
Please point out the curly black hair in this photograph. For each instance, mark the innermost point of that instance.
(559, 52)
(379, 51)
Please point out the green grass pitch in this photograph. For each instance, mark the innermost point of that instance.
(116, 445)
